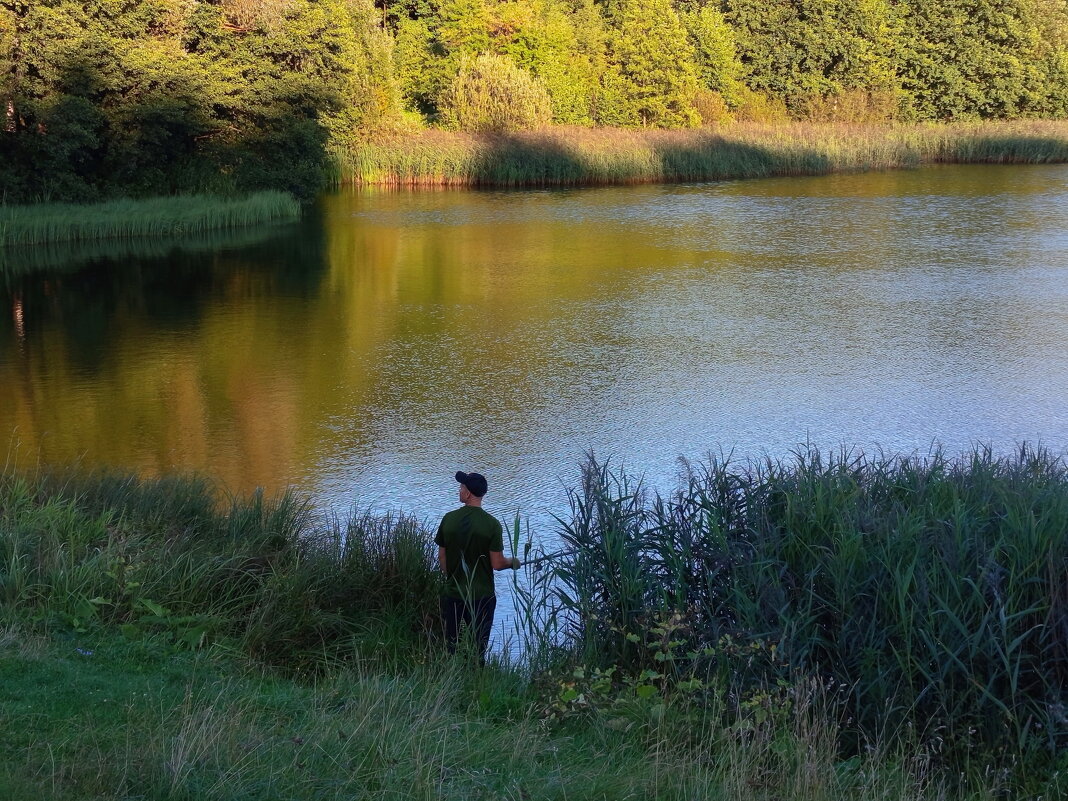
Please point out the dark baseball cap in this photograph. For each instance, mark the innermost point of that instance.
(475, 483)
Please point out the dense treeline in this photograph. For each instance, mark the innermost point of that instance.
(158, 96)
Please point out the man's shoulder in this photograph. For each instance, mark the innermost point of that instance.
(482, 512)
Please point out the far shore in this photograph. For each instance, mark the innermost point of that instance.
(558, 156)
(573, 156)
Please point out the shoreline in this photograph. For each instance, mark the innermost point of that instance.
(559, 156)
(129, 219)
(570, 156)
(761, 607)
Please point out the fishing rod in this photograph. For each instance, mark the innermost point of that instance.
(547, 557)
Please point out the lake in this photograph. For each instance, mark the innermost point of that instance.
(392, 338)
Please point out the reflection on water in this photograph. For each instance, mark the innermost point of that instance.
(397, 337)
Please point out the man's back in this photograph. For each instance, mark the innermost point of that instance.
(468, 534)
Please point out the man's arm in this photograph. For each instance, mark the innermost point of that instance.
(441, 560)
(498, 561)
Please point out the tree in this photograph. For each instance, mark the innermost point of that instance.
(718, 67)
(971, 58)
(651, 75)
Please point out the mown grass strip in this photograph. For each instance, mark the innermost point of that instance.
(188, 215)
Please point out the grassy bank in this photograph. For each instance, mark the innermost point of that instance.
(835, 626)
(563, 156)
(104, 717)
(150, 217)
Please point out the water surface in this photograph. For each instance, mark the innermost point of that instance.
(394, 337)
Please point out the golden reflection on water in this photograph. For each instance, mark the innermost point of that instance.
(395, 334)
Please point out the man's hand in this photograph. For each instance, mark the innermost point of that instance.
(515, 563)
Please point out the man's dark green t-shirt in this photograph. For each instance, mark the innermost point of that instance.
(468, 534)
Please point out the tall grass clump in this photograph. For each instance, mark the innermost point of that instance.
(573, 156)
(150, 217)
(168, 557)
(929, 593)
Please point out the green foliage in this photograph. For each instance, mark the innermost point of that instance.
(963, 59)
(171, 96)
(802, 49)
(163, 559)
(719, 69)
(651, 78)
(232, 96)
(541, 37)
(490, 93)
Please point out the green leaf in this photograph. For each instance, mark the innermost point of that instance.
(153, 607)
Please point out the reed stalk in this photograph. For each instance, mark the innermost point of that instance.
(931, 590)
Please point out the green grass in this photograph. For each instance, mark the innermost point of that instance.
(829, 627)
(564, 156)
(150, 217)
(18, 260)
(165, 558)
(103, 717)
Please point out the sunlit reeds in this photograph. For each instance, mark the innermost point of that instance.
(150, 217)
(570, 156)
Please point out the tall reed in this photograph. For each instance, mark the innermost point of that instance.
(932, 590)
(127, 219)
(570, 156)
(162, 556)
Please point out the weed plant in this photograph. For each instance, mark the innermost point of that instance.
(927, 594)
(152, 217)
(69, 256)
(569, 156)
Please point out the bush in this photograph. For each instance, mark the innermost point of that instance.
(712, 107)
(856, 106)
(759, 107)
(490, 93)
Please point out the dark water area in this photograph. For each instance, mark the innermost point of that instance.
(391, 338)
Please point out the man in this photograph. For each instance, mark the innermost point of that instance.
(470, 547)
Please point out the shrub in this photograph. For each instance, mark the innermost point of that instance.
(712, 107)
(856, 106)
(758, 107)
(490, 93)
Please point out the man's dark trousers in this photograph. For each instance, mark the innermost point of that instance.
(477, 614)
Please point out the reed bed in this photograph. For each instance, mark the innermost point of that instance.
(928, 593)
(188, 215)
(570, 156)
(19, 260)
(162, 557)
